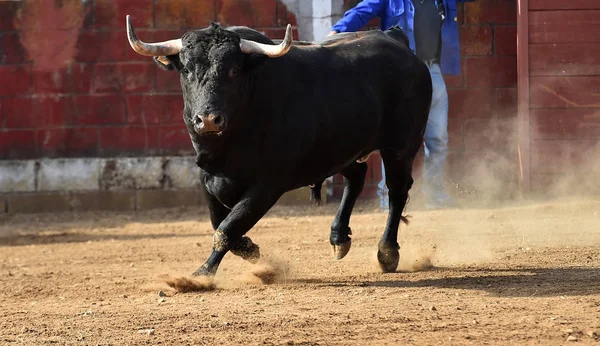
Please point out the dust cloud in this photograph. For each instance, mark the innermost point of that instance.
(484, 178)
(267, 271)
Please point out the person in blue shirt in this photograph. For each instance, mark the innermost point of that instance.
(432, 30)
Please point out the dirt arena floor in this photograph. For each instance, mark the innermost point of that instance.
(519, 275)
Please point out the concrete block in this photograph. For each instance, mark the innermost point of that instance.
(103, 200)
(305, 30)
(38, 202)
(17, 176)
(321, 9)
(305, 9)
(152, 199)
(337, 10)
(68, 174)
(182, 173)
(132, 173)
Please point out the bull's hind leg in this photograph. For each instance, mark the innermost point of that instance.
(354, 180)
(398, 178)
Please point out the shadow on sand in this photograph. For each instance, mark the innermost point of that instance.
(521, 282)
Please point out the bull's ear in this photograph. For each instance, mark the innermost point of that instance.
(168, 63)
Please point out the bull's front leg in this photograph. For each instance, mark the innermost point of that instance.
(229, 236)
(245, 248)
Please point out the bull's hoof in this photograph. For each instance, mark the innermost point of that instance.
(253, 255)
(317, 202)
(247, 250)
(388, 260)
(204, 270)
(340, 251)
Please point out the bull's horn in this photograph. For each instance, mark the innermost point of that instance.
(273, 51)
(151, 49)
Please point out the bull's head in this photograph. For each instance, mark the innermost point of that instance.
(212, 64)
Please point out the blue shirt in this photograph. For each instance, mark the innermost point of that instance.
(402, 13)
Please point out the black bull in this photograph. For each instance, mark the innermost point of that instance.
(265, 119)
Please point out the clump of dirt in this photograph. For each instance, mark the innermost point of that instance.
(184, 284)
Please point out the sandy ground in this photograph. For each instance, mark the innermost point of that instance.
(517, 275)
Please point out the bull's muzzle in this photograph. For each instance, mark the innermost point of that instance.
(209, 124)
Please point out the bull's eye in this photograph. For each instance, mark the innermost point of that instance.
(185, 71)
(233, 72)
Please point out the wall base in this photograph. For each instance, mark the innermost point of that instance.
(115, 184)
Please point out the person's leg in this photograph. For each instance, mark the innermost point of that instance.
(382, 190)
(436, 144)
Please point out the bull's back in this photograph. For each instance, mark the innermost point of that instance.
(344, 94)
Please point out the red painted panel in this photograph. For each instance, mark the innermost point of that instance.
(119, 141)
(564, 59)
(506, 102)
(553, 156)
(176, 14)
(563, 4)
(564, 26)
(8, 10)
(75, 78)
(490, 134)
(490, 11)
(505, 40)
(67, 142)
(572, 123)
(570, 92)
(17, 144)
(491, 71)
(155, 109)
(14, 80)
(95, 46)
(470, 103)
(100, 110)
(39, 112)
(11, 50)
(253, 13)
(124, 77)
(476, 40)
(175, 138)
(111, 13)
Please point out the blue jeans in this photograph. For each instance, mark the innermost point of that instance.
(436, 145)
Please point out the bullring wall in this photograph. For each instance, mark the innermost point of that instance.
(74, 95)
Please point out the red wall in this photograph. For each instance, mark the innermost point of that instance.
(70, 85)
(564, 106)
